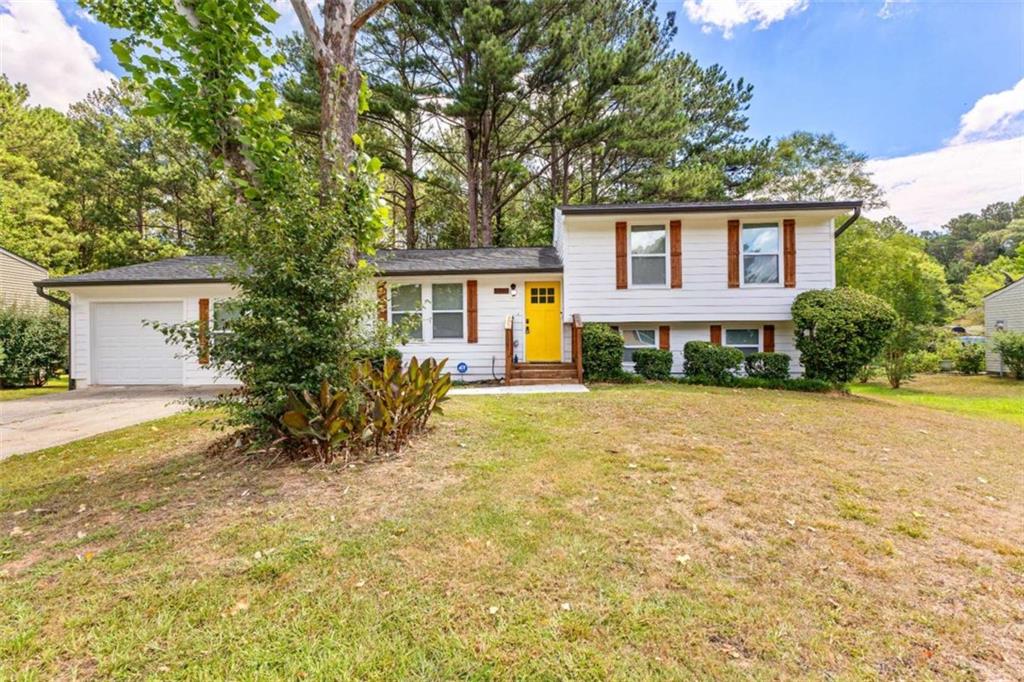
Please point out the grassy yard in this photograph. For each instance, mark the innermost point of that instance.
(52, 386)
(656, 531)
(982, 396)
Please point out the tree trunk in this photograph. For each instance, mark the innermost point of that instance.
(472, 184)
(486, 181)
(409, 180)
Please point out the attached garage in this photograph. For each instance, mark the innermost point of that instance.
(127, 350)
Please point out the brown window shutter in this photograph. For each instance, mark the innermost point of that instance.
(734, 253)
(204, 331)
(675, 231)
(789, 251)
(471, 312)
(716, 334)
(663, 337)
(382, 301)
(768, 340)
(621, 271)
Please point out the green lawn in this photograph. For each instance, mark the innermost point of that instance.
(635, 532)
(981, 396)
(52, 386)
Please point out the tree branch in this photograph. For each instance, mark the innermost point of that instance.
(309, 27)
(187, 12)
(368, 13)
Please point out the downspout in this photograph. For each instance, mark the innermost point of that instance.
(849, 221)
(67, 306)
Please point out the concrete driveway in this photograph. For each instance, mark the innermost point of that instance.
(32, 424)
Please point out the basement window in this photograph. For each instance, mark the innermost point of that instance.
(635, 340)
(747, 340)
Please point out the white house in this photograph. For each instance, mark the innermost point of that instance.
(662, 274)
(17, 274)
(1004, 311)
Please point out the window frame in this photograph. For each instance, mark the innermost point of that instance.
(462, 311)
(214, 332)
(626, 348)
(757, 330)
(402, 311)
(777, 253)
(665, 256)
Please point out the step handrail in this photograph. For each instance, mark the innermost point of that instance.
(577, 345)
(509, 345)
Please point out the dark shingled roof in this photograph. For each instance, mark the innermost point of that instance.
(192, 269)
(710, 207)
(468, 261)
(184, 270)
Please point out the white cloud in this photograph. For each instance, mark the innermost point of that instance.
(40, 49)
(994, 115)
(728, 14)
(926, 190)
(893, 8)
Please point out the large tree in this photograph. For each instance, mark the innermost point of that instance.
(809, 167)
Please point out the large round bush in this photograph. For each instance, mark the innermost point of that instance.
(1010, 346)
(602, 352)
(839, 331)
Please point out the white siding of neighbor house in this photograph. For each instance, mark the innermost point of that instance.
(486, 358)
(82, 298)
(1007, 305)
(588, 252)
(16, 282)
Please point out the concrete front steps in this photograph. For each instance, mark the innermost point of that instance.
(539, 373)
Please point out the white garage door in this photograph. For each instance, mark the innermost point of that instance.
(127, 351)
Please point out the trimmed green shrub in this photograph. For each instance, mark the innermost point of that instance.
(798, 384)
(653, 363)
(768, 365)
(970, 358)
(1010, 345)
(716, 363)
(839, 331)
(602, 352)
(35, 346)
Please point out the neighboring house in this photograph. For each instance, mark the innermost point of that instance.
(17, 277)
(1004, 311)
(663, 274)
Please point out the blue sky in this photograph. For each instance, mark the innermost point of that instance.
(932, 91)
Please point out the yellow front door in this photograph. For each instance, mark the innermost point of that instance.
(543, 321)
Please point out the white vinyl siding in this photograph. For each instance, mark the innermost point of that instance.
(16, 283)
(589, 247)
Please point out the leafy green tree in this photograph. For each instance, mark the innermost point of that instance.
(886, 260)
(809, 167)
(302, 224)
(34, 143)
(973, 240)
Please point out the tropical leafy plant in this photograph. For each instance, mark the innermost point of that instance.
(378, 411)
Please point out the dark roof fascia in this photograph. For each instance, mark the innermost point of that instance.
(58, 283)
(482, 271)
(626, 209)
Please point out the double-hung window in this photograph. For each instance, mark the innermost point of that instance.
(635, 339)
(406, 309)
(747, 340)
(761, 253)
(447, 306)
(225, 311)
(647, 255)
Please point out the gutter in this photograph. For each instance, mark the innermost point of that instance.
(66, 306)
(849, 221)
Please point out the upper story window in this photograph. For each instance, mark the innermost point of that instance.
(761, 253)
(447, 307)
(407, 302)
(647, 255)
